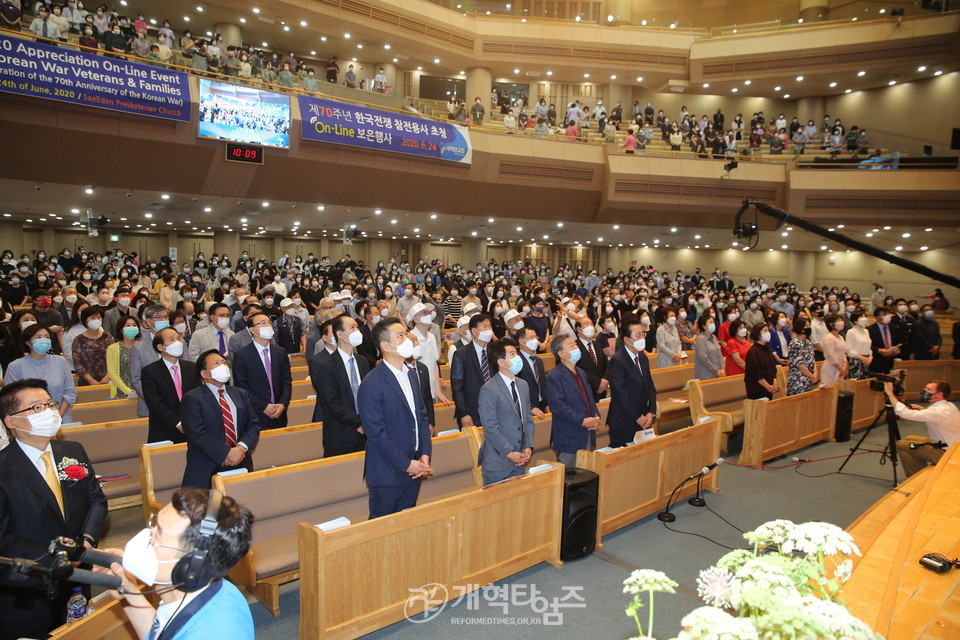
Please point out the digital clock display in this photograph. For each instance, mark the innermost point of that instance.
(244, 153)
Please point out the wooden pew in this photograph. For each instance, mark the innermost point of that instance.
(106, 620)
(784, 372)
(776, 427)
(721, 398)
(105, 411)
(636, 480)
(113, 449)
(920, 372)
(93, 393)
(278, 500)
(469, 539)
(161, 467)
(300, 373)
(671, 383)
(866, 402)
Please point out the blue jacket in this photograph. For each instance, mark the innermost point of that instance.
(774, 344)
(633, 395)
(566, 405)
(249, 375)
(390, 428)
(466, 380)
(220, 611)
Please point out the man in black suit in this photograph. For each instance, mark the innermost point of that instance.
(424, 375)
(48, 488)
(533, 372)
(470, 370)
(164, 383)
(634, 403)
(219, 421)
(592, 359)
(262, 369)
(325, 347)
(340, 376)
(369, 315)
(884, 341)
(725, 284)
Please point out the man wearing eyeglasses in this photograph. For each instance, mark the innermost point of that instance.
(48, 488)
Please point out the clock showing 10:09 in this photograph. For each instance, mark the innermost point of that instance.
(249, 153)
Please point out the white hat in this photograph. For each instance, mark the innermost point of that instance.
(510, 315)
(464, 320)
(417, 308)
(335, 296)
(346, 294)
(470, 306)
(286, 302)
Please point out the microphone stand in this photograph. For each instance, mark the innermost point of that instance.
(697, 500)
(665, 515)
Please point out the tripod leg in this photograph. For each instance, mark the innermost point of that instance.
(859, 444)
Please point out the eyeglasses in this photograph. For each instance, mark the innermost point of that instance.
(39, 407)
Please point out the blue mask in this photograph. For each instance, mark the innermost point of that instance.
(516, 364)
(928, 313)
(159, 325)
(42, 345)
(575, 356)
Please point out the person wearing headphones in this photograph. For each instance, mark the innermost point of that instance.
(184, 556)
(943, 423)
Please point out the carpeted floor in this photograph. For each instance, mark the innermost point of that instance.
(592, 586)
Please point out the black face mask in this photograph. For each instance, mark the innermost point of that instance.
(807, 331)
(925, 396)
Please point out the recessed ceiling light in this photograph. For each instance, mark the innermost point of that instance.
(616, 227)
(395, 60)
(473, 233)
(303, 23)
(898, 248)
(313, 53)
(840, 226)
(747, 82)
(734, 90)
(783, 246)
(377, 212)
(560, 225)
(148, 215)
(905, 235)
(436, 61)
(165, 196)
(419, 68)
(243, 20)
(519, 228)
(799, 78)
(673, 25)
(869, 234)
(323, 38)
(833, 84)
(613, 77)
(860, 74)
(823, 247)
(706, 85)
(516, 70)
(586, 75)
(777, 88)
(321, 207)
(848, 91)
(549, 73)
(639, 78)
(891, 83)
(256, 10)
(265, 203)
(346, 36)
(929, 229)
(786, 95)
(207, 209)
(393, 221)
(938, 73)
(887, 228)
(433, 216)
(386, 46)
(265, 44)
(74, 210)
(359, 45)
(921, 69)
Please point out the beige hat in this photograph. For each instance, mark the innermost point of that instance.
(286, 302)
(470, 306)
(417, 308)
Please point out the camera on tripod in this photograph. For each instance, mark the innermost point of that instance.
(877, 380)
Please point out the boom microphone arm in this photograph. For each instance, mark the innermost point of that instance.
(783, 216)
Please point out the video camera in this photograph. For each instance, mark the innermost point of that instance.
(878, 379)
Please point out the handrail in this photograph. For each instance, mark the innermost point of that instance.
(778, 26)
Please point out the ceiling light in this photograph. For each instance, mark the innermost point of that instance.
(777, 88)
(938, 73)
(433, 216)
(265, 44)
(323, 38)
(860, 74)
(207, 209)
(436, 61)
(673, 25)
(560, 225)
(898, 248)
(848, 91)
(296, 223)
(786, 95)
(377, 212)
(303, 23)
(415, 229)
(921, 69)
(734, 90)
(616, 227)
(148, 215)
(929, 229)
(313, 53)
(706, 85)
(73, 211)
(393, 221)
(419, 68)
(395, 60)
(256, 10)
(600, 239)
(869, 235)
(823, 247)
(840, 226)
(783, 246)
(516, 70)
(186, 18)
(519, 228)
(882, 11)
(321, 207)
(265, 204)
(586, 75)
(549, 73)
(165, 196)
(346, 36)
(924, 248)
(906, 235)
(799, 78)
(891, 83)
(833, 84)
(243, 20)
(473, 233)
(359, 45)
(747, 82)
(639, 78)
(386, 46)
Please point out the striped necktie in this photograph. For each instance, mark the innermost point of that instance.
(484, 365)
(229, 427)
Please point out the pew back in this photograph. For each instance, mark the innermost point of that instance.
(112, 448)
(777, 427)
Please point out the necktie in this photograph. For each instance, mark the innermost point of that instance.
(516, 398)
(269, 367)
(177, 383)
(44, 34)
(484, 365)
(50, 475)
(415, 389)
(229, 428)
(354, 381)
(593, 354)
(886, 335)
(636, 359)
(223, 344)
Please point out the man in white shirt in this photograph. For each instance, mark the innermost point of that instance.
(943, 423)
(421, 316)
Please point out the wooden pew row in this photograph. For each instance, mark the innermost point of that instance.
(161, 467)
(467, 541)
(721, 398)
(671, 383)
(272, 560)
(920, 372)
(112, 448)
(636, 480)
(782, 375)
(776, 427)
(866, 402)
(106, 620)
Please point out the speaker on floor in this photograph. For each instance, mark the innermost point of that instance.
(955, 139)
(578, 536)
(844, 424)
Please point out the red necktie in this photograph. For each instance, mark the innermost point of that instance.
(229, 428)
(886, 335)
(593, 354)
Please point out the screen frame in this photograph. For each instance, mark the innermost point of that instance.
(200, 123)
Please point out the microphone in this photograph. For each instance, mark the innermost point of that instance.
(707, 469)
(78, 553)
(665, 515)
(99, 558)
(83, 576)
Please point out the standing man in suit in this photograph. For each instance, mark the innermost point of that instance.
(214, 337)
(368, 318)
(262, 369)
(593, 360)
(164, 384)
(340, 377)
(326, 346)
(634, 403)
(575, 414)
(395, 421)
(470, 370)
(220, 423)
(505, 411)
(533, 371)
(884, 341)
(242, 338)
(48, 488)
(155, 318)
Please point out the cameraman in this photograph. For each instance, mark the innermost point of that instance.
(216, 609)
(943, 423)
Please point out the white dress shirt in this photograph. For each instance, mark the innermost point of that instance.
(942, 418)
(858, 341)
(402, 376)
(36, 457)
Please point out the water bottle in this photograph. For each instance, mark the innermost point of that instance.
(76, 606)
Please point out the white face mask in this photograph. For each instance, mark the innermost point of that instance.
(405, 348)
(140, 559)
(174, 349)
(356, 339)
(672, 320)
(533, 345)
(94, 325)
(45, 424)
(417, 351)
(640, 344)
(222, 323)
(764, 337)
(588, 332)
(265, 333)
(742, 333)
(862, 321)
(485, 336)
(71, 298)
(518, 325)
(384, 313)
(220, 373)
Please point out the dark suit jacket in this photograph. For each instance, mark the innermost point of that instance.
(425, 391)
(880, 363)
(313, 366)
(538, 384)
(30, 518)
(367, 349)
(341, 420)
(595, 372)
(207, 447)
(633, 395)
(390, 428)
(466, 380)
(249, 374)
(162, 401)
(926, 335)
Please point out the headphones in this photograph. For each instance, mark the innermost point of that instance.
(192, 571)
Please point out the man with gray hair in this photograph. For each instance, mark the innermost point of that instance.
(155, 318)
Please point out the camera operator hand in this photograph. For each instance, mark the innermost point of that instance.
(888, 389)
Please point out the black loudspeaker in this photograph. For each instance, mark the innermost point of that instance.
(928, 150)
(844, 422)
(578, 537)
(955, 139)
